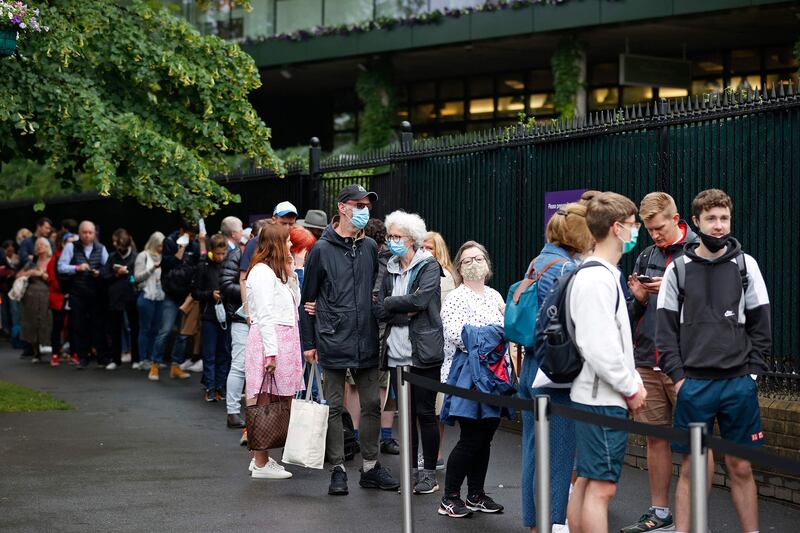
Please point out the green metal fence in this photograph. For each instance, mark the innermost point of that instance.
(490, 186)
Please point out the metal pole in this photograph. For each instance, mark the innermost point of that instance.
(698, 463)
(543, 506)
(404, 408)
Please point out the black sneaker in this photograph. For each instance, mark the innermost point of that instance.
(378, 478)
(483, 503)
(390, 447)
(650, 522)
(454, 507)
(338, 486)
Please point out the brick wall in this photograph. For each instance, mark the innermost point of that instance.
(781, 423)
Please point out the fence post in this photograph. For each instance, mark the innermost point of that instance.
(312, 194)
(406, 136)
(663, 147)
(698, 463)
(543, 505)
(404, 407)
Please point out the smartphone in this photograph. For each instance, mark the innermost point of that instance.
(201, 225)
(645, 279)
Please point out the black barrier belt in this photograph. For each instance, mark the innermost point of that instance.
(752, 454)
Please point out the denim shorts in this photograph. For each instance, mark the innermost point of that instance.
(733, 403)
(600, 450)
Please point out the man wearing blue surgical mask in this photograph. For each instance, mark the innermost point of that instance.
(342, 333)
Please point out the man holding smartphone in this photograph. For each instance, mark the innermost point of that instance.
(669, 233)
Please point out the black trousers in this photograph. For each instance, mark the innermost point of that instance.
(423, 419)
(116, 321)
(59, 317)
(470, 456)
(88, 329)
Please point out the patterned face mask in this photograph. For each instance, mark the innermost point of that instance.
(475, 271)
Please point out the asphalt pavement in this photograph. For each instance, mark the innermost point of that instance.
(140, 456)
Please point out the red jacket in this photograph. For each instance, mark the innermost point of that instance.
(56, 296)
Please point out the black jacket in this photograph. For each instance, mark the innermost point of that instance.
(652, 262)
(425, 328)
(206, 282)
(121, 289)
(339, 276)
(229, 284)
(177, 275)
(719, 330)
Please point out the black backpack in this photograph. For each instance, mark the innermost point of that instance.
(177, 283)
(554, 345)
(680, 275)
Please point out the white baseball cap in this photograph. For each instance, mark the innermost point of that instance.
(284, 208)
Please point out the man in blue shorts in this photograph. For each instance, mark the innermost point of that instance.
(713, 335)
(608, 383)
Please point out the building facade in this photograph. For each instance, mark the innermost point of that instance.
(465, 65)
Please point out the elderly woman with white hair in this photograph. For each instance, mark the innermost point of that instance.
(409, 301)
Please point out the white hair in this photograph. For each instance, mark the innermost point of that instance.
(410, 223)
(229, 225)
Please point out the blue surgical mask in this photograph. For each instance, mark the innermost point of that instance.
(360, 217)
(397, 248)
(630, 244)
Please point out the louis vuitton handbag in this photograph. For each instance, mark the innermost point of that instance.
(267, 422)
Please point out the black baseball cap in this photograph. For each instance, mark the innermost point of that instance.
(356, 192)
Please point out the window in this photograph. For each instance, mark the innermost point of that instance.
(481, 108)
(746, 60)
(540, 80)
(746, 82)
(258, 22)
(510, 106)
(779, 58)
(707, 65)
(636, 95)
(423, 91)
(672, 92)
(604, 74)
(707, 86)
(603, 98)
(451, 89)
(293, 15)
(423, 113)
(452, 110)
(343, 140)
(347, 11)
(344, 121)
(483, 86)
(511, 84)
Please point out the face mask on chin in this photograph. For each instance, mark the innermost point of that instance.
(714, 244)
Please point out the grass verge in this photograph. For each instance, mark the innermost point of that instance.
(18, 399)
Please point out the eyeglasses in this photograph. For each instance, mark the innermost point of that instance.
(469, 260)
(395, 238)
(634, 225)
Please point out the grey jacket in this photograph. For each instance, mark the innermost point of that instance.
(425, 327)
(652, 262)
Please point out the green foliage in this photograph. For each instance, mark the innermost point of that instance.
(566, 75)
(376, 92)
(135, 99)
(18, 399)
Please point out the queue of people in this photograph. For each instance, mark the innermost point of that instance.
(675, 342)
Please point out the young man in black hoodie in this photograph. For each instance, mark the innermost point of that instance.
(660, 217)
(713, 334)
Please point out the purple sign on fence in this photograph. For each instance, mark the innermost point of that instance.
(554, 200)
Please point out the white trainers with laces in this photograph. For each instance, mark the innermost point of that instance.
(271, 470)
(195, 367)
(111, 366)
(186, 364)
(271, 460)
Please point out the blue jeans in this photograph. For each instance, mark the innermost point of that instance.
(150, 312)
(216, 344)
(562, 450)
(235, 383)
(170, 317)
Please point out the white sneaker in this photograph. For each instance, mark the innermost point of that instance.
(271, 470)
(271, 460)
(143, 365)
(136, 365)
(560, 528)
(126, 357)
(196, 367)
(186, 364)
(111, 366)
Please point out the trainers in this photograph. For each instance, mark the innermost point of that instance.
(55, 360)
(338, 486)
(175, 372)
(209, 397)
(196, 367)
(378, 478)
(111, 366)
(650, 522)
(426, 482)
(153, 375)
(481, 502)
(243, 440)
(126, 357)
(271, 460)
(186, 364)
(142, 365)
(440, 464)
(454, 507)
(390, 446)
(271, 470)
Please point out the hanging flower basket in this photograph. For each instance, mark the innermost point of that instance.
(8, 42)
(16, 19)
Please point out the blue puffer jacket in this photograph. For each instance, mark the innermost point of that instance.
(470, 370)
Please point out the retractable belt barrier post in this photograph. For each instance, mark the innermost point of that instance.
(699, 442)
(699, 480)
(543, 506)
(404, 407)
